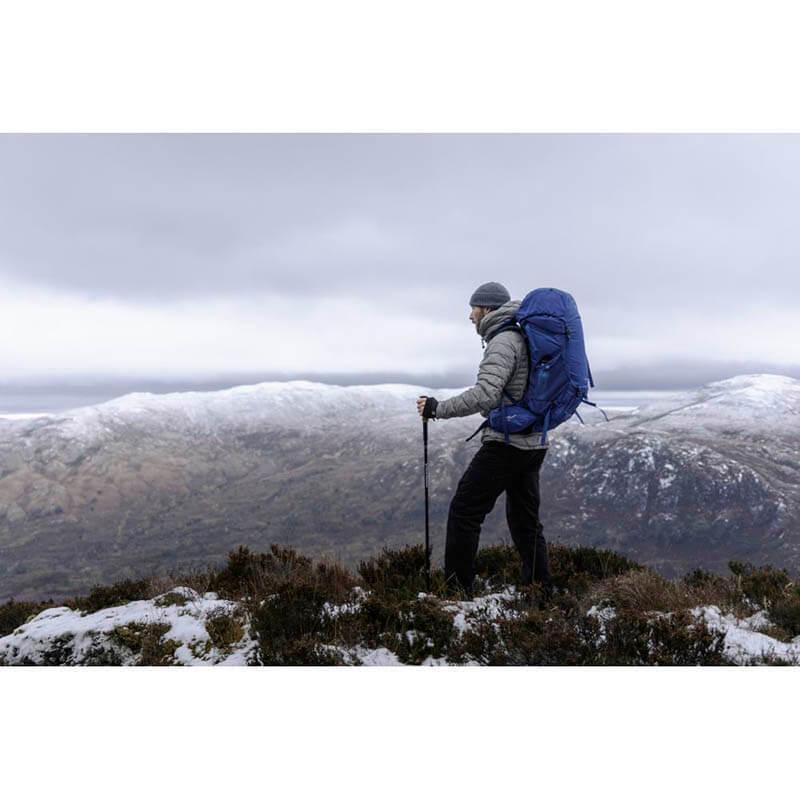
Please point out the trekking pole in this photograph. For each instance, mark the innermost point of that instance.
(427, 527)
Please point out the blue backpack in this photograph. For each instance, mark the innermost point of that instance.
(559, 376)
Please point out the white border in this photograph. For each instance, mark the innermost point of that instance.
(398, 733)
(420, 65)
(415, 66)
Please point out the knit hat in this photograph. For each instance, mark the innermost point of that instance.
(490, 295)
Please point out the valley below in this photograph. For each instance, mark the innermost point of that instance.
(150, 483)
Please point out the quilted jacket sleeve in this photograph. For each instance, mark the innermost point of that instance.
(494, 372)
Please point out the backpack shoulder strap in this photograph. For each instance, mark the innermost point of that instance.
(509, 326)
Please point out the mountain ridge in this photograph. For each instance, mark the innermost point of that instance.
(147, 481)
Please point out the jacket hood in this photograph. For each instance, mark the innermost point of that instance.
(497, 318)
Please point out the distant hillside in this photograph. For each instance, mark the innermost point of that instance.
(149, 483)
(279, 608)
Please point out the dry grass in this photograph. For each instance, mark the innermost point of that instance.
(200, 580)
(259, 575)
(643, 591)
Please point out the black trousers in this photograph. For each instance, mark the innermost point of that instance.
(497, 468)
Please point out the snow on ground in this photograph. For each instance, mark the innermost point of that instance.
(75, 637)
(380, 657)
(744, 641)
(490, 605)
(331, 610)
(65, 636)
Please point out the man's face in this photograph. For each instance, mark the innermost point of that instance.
(477, 313)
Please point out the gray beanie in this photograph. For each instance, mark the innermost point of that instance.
(490, 295)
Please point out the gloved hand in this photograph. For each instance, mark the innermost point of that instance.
(427, 407)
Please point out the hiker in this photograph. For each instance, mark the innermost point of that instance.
(497, 467)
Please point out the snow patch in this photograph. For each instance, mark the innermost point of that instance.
(490, 605)
(744, 641)
(80, 636)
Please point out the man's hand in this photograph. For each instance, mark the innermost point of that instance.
(426, 406)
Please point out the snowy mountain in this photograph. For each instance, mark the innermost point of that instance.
(149, 482)
(714, 475)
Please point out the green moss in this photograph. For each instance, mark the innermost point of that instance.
(129, 636)
(146, 640)
(225, 629)
(156, 650)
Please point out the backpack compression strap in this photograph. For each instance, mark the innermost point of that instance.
(480, 428)
(505, 421)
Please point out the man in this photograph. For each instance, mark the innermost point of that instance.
(497, 467)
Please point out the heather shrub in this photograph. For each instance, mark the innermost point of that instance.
(225, 628)
(762, 586)
(116, 594)
(286, 594)
(576, 569)
(480, 643)
(14, 614)
(675, 639)
(413, 629)
(785, 612)
(498, 565)
(396, 573)
(258, 575)
(290, 625)
(306, 613)
(541, 638)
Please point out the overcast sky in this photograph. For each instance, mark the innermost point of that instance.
(189, 256)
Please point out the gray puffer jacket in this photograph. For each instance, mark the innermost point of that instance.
(504, 366)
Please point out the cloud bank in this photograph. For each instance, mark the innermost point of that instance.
(179, 255)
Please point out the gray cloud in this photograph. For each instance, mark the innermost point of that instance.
(698, 219)
(649, 232)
